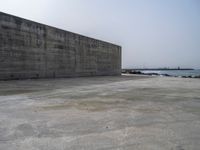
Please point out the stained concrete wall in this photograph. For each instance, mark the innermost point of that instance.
(33, 50)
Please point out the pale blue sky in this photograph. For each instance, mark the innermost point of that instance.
(152, 33)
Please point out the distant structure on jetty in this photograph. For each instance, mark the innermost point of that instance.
(33, 50)
(155, 69)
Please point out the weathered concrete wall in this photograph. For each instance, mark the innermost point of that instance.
(32, 50)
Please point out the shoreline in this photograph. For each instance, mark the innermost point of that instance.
(161, 69)
(139, 72)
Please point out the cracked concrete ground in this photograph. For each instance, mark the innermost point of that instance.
(100, 113)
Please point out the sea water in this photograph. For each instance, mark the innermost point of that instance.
(175, 72)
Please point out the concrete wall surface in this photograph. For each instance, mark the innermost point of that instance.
(33, 50)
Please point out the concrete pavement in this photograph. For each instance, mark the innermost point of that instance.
(97, 113)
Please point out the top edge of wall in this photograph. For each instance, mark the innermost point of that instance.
(59, 29)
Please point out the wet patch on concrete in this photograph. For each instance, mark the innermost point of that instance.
(16, 92)
(148, 110)
(86, 105)
(24, 130)
(192, 106)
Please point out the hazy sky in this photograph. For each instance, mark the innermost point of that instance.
(152, 33)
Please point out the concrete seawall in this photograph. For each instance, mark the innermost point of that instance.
(33, 50)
